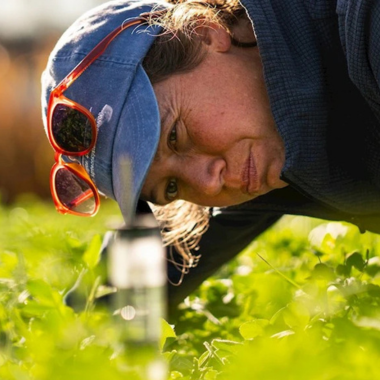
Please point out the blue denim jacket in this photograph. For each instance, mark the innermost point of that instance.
(321, 62)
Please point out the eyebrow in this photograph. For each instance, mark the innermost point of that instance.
(163, 133)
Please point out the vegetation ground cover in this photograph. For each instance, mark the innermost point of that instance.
(301, 302)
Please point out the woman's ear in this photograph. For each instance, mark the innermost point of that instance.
(215, 37)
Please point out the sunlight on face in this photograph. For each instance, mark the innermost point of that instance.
(219, 145)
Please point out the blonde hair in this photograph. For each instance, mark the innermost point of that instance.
(182, 226)
(179, 47)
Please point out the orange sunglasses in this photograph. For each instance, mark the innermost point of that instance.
(72, 131)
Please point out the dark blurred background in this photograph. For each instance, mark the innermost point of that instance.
(29, 30)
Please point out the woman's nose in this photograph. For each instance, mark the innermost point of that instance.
(203, 173)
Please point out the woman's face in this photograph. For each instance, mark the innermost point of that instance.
(219, 145)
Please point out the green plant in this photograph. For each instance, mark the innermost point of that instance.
(302, 302)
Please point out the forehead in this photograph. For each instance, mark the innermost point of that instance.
(168, 93)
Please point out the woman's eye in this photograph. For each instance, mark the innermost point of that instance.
(173, 135)
(171, 190)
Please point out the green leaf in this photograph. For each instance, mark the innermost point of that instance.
(283, 334)
(252, 329)
(167, 331)
(211, 374)
(203, 359)
(175, 375)
(92, 255)
(8, 263)
(296, 315)
(43, 293)
(169, 355)
(229, 346)
(355, 260)
(323, 272)
(343, 270)
(34, 309)
(373, 290)
(104, 290)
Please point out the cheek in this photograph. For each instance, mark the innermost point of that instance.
(216, 128)
(209, 132)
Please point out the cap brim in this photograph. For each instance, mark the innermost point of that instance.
(137, 137)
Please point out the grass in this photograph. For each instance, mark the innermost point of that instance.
(302, 302)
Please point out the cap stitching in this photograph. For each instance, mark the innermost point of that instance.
(134, 92)
(67, 57)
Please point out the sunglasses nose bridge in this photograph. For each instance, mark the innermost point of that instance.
(58, 157)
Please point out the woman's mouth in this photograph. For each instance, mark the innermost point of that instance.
(249, 176)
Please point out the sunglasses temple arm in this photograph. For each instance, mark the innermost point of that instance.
(94, 54)
(82, 198)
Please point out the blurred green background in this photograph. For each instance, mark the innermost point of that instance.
(28, 32)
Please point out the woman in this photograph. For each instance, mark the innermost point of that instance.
(253, 109)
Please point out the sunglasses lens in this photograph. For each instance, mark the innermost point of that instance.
(72, 129)
(74, 193)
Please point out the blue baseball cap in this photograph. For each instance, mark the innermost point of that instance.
(117, 91)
